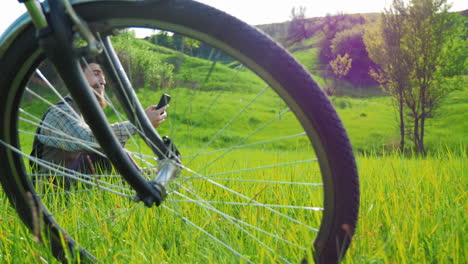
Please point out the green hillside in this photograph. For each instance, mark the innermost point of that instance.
(372, 124)
(369, 116)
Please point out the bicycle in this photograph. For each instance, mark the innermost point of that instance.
(218, 186)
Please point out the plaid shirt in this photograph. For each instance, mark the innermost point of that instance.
(64, 128)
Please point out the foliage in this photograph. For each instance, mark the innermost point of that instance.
(340, 67)
(192, 44)
(144, 66)
(350, 41)
(188, 46)
(332, 25)
(343, 34)
(162, 39)
(413, 46)
(297, 30)
(383, 43)
(428, 31)
(456, 62)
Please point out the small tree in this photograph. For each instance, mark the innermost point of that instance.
(428, 29)
(383, 44)
(332, 25)
(415, 46)
(145, 68)
(297, 30)
(350, 41)
(340, 67)
(191, 44)
(162, 38)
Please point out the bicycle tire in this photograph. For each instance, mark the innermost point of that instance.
(251, 47)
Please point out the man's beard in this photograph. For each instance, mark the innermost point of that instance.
(102, 102)
(100, 97)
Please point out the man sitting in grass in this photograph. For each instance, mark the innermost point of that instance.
(65, 140)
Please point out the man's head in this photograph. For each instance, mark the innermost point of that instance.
(96, 79)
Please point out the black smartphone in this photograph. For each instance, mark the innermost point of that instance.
(165, 98)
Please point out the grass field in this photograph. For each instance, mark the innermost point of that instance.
(412, 211)
(412, 208)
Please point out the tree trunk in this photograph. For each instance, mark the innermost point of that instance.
(423, 100)
(416, 133)
(422, 149)
(402, 123)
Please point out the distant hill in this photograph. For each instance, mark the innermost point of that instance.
(279, 31)
(318, 32)
(307, 51)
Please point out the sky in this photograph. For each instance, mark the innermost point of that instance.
(257, 12)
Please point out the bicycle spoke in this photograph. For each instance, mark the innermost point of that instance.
(249, 199)
(208, 234)
(261, 168)
(251, 181)
(60, 171)
(308, 208)
(236, 222)
(100, 184)
(212, 103)
(264, 142)
(245, 139)
(233, 220)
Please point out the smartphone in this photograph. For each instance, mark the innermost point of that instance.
(165, 98)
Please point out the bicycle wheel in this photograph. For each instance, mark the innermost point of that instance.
(268, 169)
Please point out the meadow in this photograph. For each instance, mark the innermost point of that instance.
(412, 208)
(412, 211)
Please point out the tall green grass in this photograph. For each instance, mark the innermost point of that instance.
(413, 210)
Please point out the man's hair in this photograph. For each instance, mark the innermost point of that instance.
(86, 60)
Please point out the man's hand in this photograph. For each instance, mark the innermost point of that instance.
(156, 117)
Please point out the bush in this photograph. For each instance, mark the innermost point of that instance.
(350, 41)
(145, 67)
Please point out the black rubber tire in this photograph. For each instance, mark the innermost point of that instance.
(256, 51)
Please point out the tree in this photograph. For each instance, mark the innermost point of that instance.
(162, 39)
(145, 68)
(178, 42)
(428, 29)
(414, 48)
(350, 41)
(297, 30)
(340, 67)
(191, 44)
(332, 25)
(383, 44)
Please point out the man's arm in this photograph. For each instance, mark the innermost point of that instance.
(61, 129)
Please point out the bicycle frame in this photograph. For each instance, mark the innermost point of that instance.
(56, 38)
